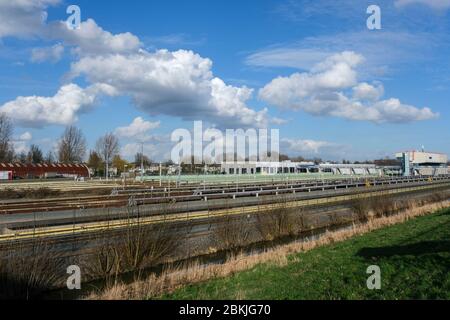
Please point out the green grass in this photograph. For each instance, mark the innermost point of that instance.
(414, 258)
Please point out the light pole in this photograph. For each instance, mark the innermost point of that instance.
(107, 167)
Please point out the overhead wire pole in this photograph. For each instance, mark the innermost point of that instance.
(160, 174)
(142, 162)
(107, 166)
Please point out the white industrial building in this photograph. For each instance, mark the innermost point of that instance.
(423, 163)
(253, 167)
(289, 167)
(413, 163)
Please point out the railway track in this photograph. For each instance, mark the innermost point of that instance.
(96, 227)
(121, 198)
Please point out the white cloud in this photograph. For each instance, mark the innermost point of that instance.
(178, 83)
(139, 129)
(434, 4)
(156, 147)
(23, 18)
(92, 39)
(21, 142)
(365, 91)
(28, 18)
(403, 48)
(26, 136)
(322, 92)
(304, 146)
(310, 148)
(63, 108)
(335, 73)
(52, 54)
(286, 57)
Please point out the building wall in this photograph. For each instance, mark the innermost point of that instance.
(416, 157)
(288, 167)
(25, 171)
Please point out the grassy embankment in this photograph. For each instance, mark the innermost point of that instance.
(414, 258)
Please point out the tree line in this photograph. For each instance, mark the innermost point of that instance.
(71, 148)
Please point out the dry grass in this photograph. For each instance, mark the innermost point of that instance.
(171, 279)
(278, 223)
(361, 208)
(30, 270)
(146, 246)
(138, 248)
(29, 193)
(232, 233)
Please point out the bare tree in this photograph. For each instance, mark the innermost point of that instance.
(72, 146)
(6, 131)
(50, 157)
(107, 147)
(35, 154)
(141, 158)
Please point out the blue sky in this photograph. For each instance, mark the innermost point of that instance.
(310, 68)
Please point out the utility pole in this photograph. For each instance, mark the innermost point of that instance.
(179, 175)
(142, 162)
(160, 174)
(107, 168)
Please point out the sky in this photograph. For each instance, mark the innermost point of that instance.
(312, 69)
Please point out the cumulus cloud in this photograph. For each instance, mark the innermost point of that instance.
(322, 92)
(21, 142)
(92, 39)
(178, 83)
(335, 73)
(52, 54)
(63, 108)
(24, 18)
(28, 18)
(365, 91)
(139, 129)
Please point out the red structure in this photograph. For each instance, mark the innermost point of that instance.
(44, 170)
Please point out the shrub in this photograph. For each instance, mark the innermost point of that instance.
(29, 270)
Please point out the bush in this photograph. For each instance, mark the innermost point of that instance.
(383, 206)
(233, 232)
(361, 208)
(279, 222)
(29, 270)
(136, 248)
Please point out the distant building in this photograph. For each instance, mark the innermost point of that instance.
(9, 171)
(423, 163)
(289, 167)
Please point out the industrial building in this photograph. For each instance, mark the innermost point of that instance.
(415, 163)
(420, 163)
(10, 171)
(289, 167)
